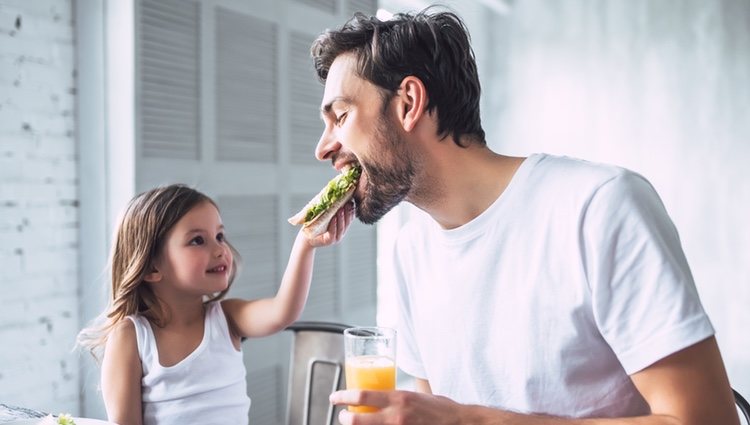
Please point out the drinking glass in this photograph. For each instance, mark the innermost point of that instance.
(370, 361)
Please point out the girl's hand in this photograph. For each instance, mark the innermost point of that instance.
(336, 228)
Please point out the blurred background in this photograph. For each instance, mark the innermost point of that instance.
(102, 99)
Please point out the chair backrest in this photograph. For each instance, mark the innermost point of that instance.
(316, 370)
(742, 405)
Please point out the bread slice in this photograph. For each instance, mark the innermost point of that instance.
(318, 224)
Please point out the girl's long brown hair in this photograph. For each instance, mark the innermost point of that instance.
(143, 228)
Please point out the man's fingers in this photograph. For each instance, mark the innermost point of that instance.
(360, 398)
(350, 418)
(345, 397)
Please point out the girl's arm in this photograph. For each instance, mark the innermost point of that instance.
(269, 315)
(121, 376)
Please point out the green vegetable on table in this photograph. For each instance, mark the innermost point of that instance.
(65, 419)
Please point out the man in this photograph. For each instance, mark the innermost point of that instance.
(544, 290)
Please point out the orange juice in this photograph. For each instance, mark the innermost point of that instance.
(370, 373)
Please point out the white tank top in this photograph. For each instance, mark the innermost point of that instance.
(206, 387)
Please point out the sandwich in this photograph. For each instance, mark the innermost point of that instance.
(316, 215)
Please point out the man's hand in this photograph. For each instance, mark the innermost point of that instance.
(398, 407)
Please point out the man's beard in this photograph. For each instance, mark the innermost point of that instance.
(390, 173)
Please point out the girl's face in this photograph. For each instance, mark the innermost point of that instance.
(195, 259)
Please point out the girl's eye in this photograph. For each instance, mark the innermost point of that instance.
(198, 240)
(220, 237)
(341, 118)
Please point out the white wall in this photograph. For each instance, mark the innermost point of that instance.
(38, 206)
(662, 88)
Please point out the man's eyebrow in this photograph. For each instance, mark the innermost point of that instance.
(326, 109)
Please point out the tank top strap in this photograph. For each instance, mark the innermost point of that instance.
(218, 322)
(146, 341)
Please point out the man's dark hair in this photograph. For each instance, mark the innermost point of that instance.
(434, 47)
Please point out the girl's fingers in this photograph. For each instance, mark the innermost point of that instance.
(349, 213)
(340, 224)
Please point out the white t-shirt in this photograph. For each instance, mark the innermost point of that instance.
(206, 387)
(571, 280)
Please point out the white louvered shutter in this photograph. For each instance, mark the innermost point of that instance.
(368, 7)
(305, 95)
(246, 87)
(269, 400)
(323, 300)
(328, 6)
(256, 240)
(169, 69)
(227, 101)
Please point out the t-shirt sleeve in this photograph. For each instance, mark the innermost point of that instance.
(408, 357)
(644, 299)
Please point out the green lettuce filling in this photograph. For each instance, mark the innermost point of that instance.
(334, 191)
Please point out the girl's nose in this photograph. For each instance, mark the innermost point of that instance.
(220, 250)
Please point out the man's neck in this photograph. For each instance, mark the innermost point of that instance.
(461, 183)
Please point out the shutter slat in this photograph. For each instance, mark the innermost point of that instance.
(323, 299)
(177, 8)
(169, 100)
(264, 389)
(246, 88)
(362, 248)
(328, 6)
(256, 240)
(305, 97)
(368, 7)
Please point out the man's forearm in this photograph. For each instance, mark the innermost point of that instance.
(481, 415)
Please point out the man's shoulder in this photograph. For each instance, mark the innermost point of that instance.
(562, 176)
(569, 167)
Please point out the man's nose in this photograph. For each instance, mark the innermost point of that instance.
(327, 146)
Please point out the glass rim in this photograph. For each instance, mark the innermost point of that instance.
(373, 332)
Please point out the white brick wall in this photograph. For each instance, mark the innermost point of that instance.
(38, 206)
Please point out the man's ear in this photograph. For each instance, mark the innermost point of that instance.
(153, 275)
(413, 101)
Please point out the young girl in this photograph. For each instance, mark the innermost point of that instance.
(171, 346)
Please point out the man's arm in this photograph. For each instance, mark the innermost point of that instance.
(689, 387)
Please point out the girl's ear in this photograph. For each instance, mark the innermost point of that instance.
(153, 276)
(412, 101)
